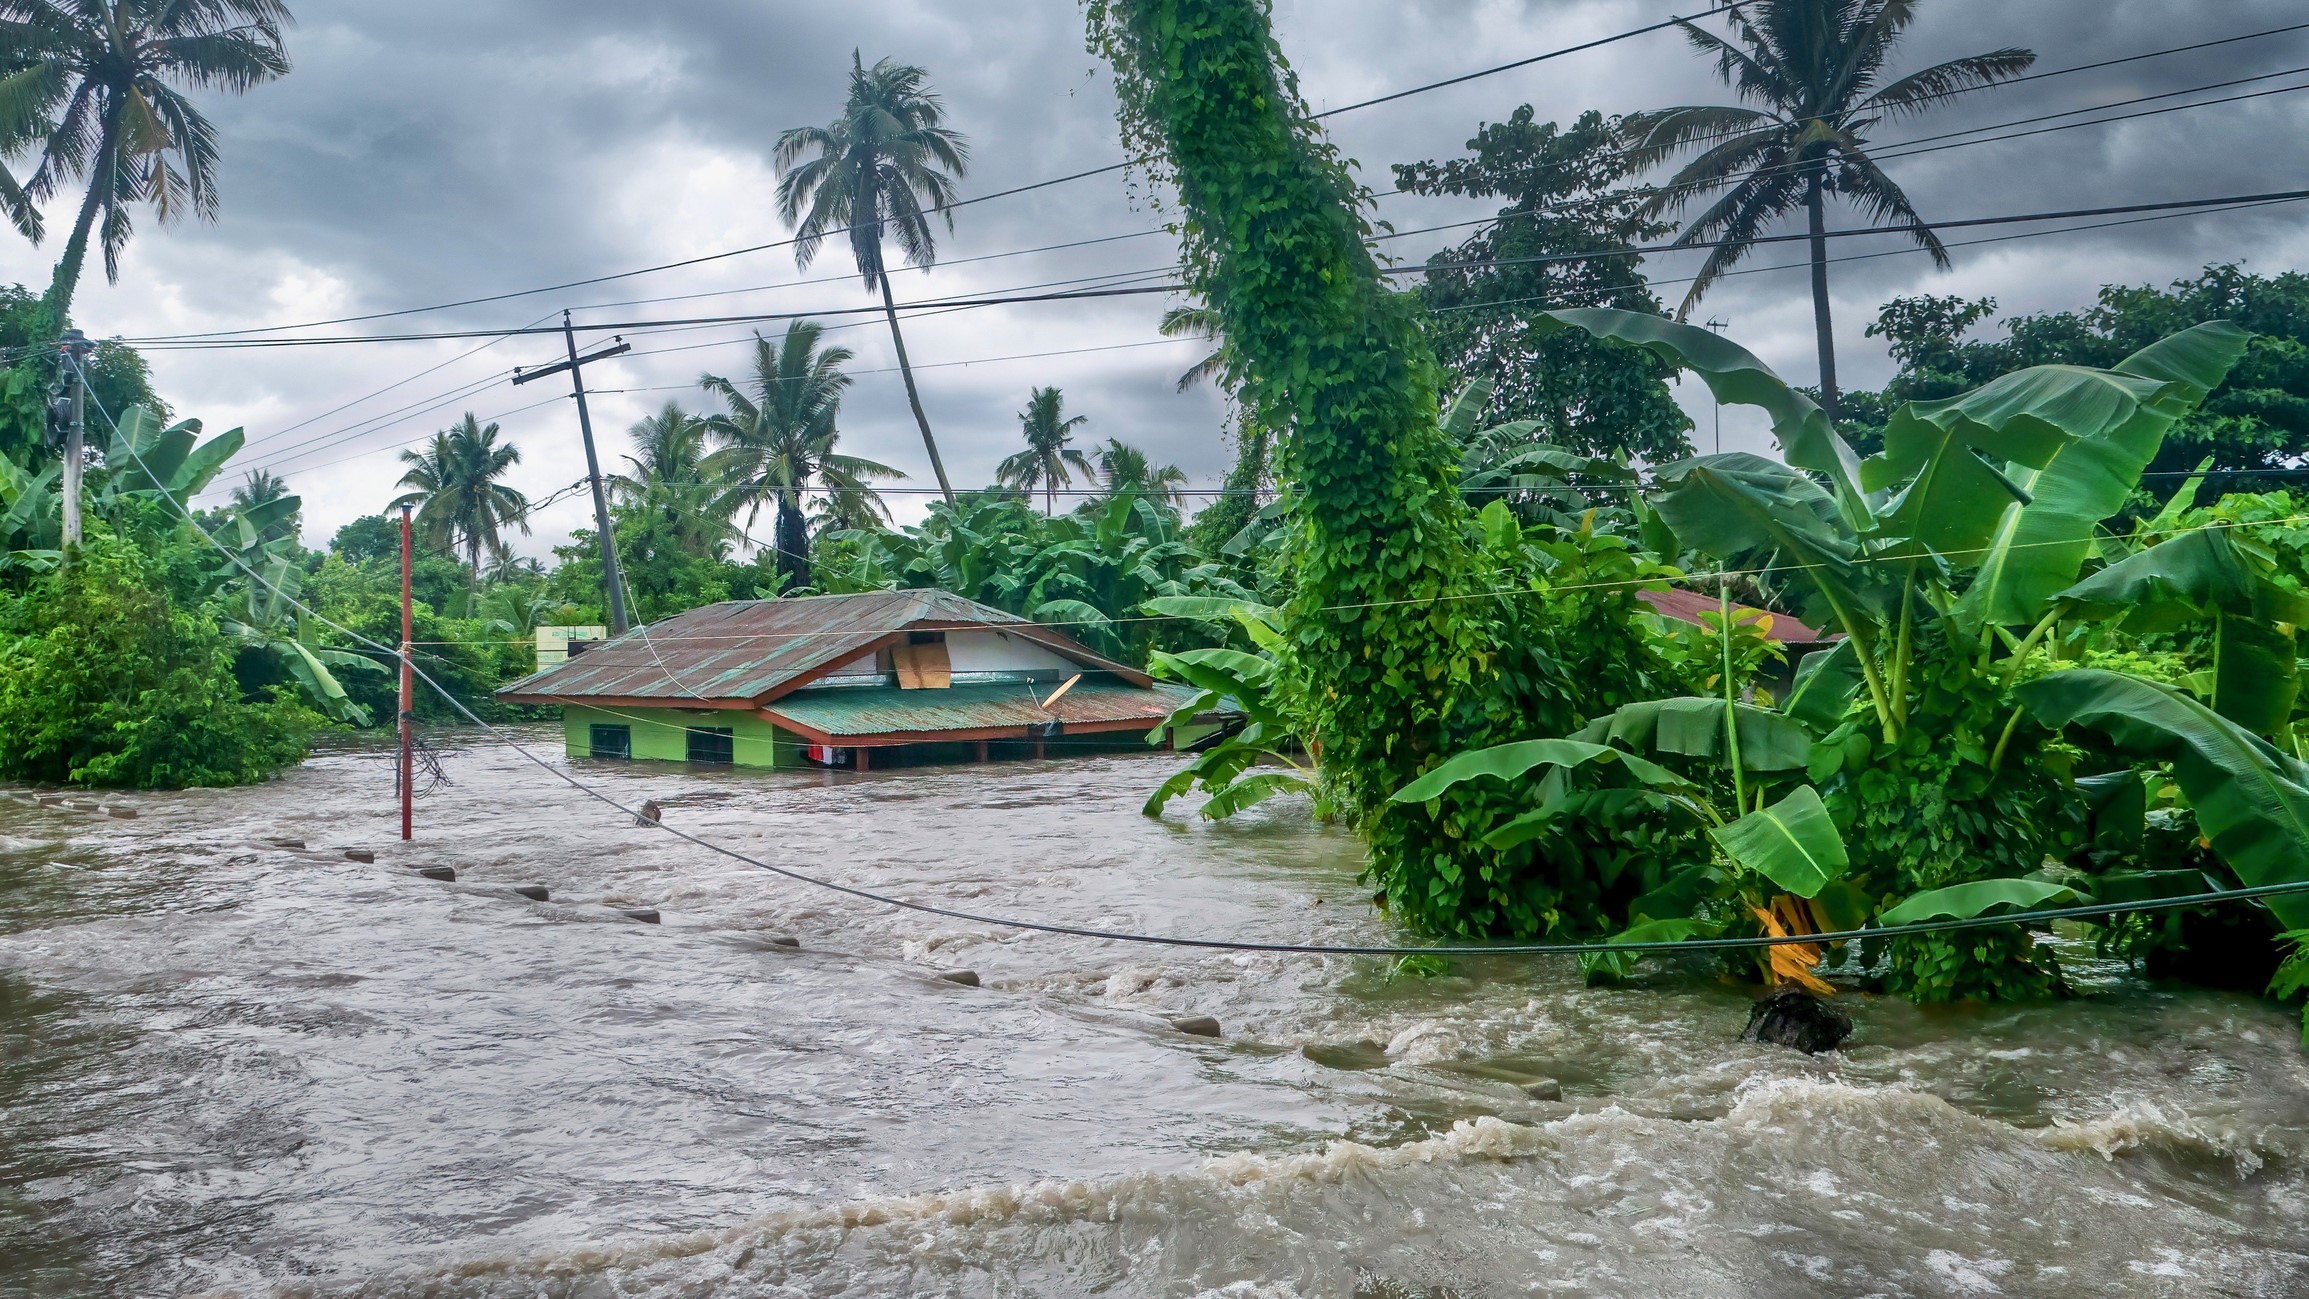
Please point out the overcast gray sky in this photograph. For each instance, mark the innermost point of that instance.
(425, 151)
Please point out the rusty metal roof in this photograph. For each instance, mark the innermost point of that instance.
(847, 712)
(1687, 606)
(741, 653)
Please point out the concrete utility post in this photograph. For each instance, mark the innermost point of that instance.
(75, 348)
(612, 581)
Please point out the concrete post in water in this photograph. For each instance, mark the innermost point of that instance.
(408, 688)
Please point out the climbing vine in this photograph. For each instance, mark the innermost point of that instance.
(1399, 648)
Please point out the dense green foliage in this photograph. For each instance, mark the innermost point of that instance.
(1562, 240)
(2254, 428)
(112, 674)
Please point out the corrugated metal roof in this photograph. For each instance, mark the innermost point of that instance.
(1687, 606)
(743, 652)
(886, 710)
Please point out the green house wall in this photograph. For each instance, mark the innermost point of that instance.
(662, 734)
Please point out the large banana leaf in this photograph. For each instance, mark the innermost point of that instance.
(1736, 377)
(2251, 801)
(1733, 504)
(1466, 408)
(2192, 576)
(1792, 843)
(144, 457)
(2256, 674)
(1964, 901)
(1693, 726)
(1507, 761)
(27, 501)
(2110, 425)
(1827, 682)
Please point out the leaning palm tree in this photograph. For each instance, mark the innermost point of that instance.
(778, 440)
(97, 88)
(453, 485)
(1812, 69)
(670, 478)
(1127, 470)
(1047, 460)
(879, 166)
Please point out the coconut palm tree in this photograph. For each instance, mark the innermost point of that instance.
(1813, 71)
(669, 477)
(263, 487)
(1196, 322)
(1047, 460)
(453, 485)
(883, 169)
(98, 87)
(778, 441)
(1127, 470)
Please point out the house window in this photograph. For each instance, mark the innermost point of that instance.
(612, 741)
(712, 745)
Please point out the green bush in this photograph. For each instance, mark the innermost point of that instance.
(104, 680)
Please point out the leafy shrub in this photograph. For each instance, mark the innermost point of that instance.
(104, 680)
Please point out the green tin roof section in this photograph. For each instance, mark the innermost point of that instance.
(882, 710)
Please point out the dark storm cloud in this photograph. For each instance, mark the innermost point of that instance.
(425, 151)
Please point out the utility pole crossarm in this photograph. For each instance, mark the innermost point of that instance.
(522, 375)
(613, 582)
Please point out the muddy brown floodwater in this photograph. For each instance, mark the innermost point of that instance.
(232, 1066)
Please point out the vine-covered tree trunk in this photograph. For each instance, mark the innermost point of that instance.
(1388, 648)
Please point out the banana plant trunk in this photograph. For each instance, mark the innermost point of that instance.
(1821, 323)
(913, 398)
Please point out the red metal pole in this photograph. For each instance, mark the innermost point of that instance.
(408, 687)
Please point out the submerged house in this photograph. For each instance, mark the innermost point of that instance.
(845, 680)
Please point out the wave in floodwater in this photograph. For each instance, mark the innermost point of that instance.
(233, 1060)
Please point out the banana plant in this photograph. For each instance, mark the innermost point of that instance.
(1978, 512)
(1964, 533)
(270, 626)
(31, 520)
(1242, 766)
(145, 458)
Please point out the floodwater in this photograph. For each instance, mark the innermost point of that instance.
(231, 1066)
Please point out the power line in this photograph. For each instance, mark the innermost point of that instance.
(1903, 149)
(1015, 299)
(959, 203)
(2059, 72)
(309, 446)
(1471, 306)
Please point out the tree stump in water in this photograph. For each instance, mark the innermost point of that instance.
(1792, 1017)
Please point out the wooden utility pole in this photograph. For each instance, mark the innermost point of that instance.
(612, 582)
(408, 689)
(76, 347)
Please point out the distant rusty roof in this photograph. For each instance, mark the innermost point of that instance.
(743, 653)
(973, 711)
(1687, 606)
